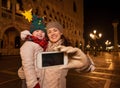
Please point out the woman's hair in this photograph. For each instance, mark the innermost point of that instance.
(66, 41)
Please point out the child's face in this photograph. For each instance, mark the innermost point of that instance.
(39, 34)
(54, 34)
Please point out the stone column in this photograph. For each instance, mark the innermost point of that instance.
(115, 24)
(0, 46)
(13, 9)
(8, 4)
(0, 43)
(0, 8)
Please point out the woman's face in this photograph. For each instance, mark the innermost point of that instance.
(54, 34)
(39, 34)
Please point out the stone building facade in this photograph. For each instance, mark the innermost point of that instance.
(68, 12)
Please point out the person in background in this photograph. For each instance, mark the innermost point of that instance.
(55, 77)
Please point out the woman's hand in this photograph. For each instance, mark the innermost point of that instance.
(77, 59)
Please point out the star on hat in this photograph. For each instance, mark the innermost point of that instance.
(28, 15)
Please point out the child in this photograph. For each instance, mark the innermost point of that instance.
(34, 42)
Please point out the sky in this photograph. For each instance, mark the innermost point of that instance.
(99, 15)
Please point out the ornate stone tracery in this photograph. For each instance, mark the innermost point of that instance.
(51, 9)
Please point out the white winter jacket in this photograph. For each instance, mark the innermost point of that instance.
(48, 78)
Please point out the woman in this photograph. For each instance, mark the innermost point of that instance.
(55, 77)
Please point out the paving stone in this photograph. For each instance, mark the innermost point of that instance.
(106, 74)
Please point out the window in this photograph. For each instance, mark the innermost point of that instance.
(74, 7)
(17, 42)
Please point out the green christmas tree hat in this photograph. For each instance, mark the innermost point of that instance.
(37, 22)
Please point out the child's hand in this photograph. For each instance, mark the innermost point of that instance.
(24, 34)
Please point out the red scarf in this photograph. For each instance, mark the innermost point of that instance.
(42, 42)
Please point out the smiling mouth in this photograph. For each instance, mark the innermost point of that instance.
(53, 37)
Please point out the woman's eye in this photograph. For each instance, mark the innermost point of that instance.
(55, 30)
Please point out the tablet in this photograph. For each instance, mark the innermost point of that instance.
(51, 59)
